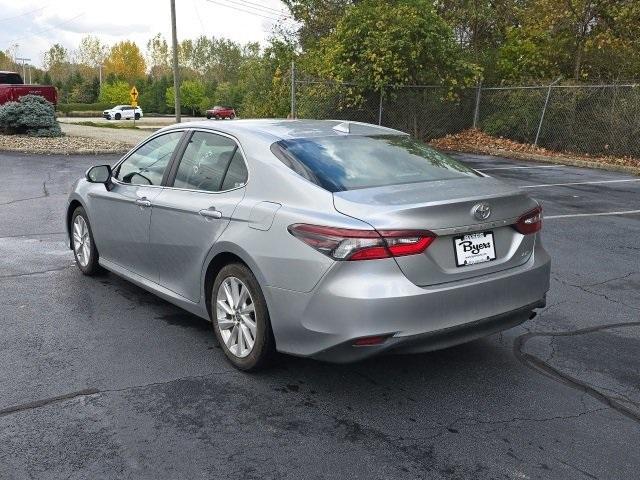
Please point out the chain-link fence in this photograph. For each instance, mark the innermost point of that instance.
(593, 119)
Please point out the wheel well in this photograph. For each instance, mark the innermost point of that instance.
(72, 208)
(216, 264)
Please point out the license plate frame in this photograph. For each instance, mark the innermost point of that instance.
(468, 258)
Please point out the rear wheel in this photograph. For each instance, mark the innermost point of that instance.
(208, 117)
(232, 116)
(84, 248)
(241, 319)
(137, 116)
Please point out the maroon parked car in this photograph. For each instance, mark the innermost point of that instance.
(218, 113)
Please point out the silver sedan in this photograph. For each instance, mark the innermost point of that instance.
(324, 239)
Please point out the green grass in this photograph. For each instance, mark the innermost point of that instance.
(88, 123)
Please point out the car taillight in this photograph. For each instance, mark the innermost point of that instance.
(530, 222)
(351, 244)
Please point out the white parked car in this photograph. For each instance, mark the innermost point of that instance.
(123, 112)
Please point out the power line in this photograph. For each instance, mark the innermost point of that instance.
(257, 6)
(244, 9)
(50, 28)
(23, 14)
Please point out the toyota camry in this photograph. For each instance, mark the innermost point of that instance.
(324, 239)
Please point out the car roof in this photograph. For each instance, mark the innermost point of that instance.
(281, 129)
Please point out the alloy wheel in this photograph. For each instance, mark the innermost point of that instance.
(81, 241)
(236, 316)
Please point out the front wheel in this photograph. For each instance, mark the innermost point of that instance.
(208, 117)
(232, 116)
(241, 319)
(84, 248)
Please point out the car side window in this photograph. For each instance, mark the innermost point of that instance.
(205, 162)
(147, 164)
(236, 173)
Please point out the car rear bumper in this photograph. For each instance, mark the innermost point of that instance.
(371, 298)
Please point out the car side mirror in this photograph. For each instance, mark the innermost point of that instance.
(99, 174)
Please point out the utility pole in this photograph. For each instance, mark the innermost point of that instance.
(176, 73)
(24, 67)
(100, 75)
(292, 114)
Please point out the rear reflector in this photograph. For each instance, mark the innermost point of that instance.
(530, 222)
(369, 341)
(351, 244)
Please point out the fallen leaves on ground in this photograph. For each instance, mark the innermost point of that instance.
(477, 141)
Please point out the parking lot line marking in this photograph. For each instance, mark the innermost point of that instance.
(601, 214)
(581, 183)
(518, 168)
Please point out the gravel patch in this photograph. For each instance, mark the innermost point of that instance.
(60, 145)
(128, 137)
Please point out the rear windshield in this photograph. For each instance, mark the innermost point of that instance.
(340, 163)
(10, 78)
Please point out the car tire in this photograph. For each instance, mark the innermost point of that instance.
(232, 116)
(208, 117)
(234, 330)
(118, 116)
(84, 248)
(137, 116)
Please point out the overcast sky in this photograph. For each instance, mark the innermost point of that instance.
(35, 25)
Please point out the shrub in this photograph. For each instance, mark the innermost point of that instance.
(31, 115)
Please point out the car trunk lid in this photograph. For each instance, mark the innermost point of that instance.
(445, 208)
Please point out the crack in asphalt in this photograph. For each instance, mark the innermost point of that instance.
(95, 391)
(47, 401)
(477, 421)
(609, 280)
(25, 235)
(540, 366)
(28, 274)
(602, 295)
(46, 195)
(578, 469)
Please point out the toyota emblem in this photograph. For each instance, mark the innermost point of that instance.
(481, 211)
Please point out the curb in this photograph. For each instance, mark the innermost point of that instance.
(65, 152)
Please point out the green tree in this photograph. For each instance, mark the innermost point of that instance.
(91, 51)
(158, 56)
(316, 18)
(191, 95)
(578, 39)
(56, 62)
(399, 42)
(115, 93)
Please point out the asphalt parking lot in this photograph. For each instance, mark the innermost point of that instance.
(99, 379)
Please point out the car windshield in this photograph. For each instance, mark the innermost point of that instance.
(340, 163)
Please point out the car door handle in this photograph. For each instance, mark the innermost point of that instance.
(210, 213)
(143, 202)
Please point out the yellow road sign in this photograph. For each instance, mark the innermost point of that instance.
(134, 95)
